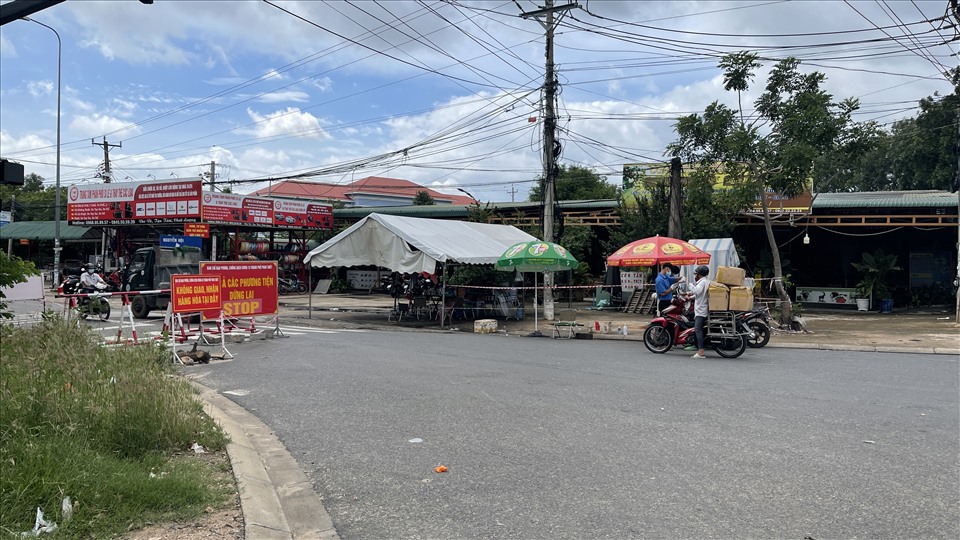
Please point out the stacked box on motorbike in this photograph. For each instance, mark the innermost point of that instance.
(718, 297)
(732, 276)
(741, 299)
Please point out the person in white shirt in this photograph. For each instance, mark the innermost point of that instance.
(90, 279)
(701, 306)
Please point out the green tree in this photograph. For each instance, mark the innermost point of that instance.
(13, 270)
(423, 199)
(795, 124)
(576, 183)
(33, 201)
(923, 149)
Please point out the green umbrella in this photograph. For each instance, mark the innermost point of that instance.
(536, 257)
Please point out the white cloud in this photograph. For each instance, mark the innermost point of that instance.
(40, 88)
(7, 50)
(291, 121)
(282, 96)
(97, 124)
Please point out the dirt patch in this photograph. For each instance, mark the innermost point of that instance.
(220, 523)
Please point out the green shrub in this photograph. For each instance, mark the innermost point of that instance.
(91, 422)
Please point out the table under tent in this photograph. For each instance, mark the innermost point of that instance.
(416, 245)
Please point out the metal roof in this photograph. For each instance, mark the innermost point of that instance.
(456, 210)
(886, 199)
(44, 230)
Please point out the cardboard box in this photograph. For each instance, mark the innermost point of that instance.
(718, 296)
(731, 276)
(485, 326)
(741, 298)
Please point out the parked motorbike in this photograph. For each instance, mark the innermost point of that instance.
(675, 328)
(758, 323)
(291, 285)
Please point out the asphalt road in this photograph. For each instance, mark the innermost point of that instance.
(577, 439)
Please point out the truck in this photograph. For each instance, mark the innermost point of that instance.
(150, 269)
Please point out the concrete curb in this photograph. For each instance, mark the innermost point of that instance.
(277, 499)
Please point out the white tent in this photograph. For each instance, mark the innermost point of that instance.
(722, 253)
(408, 245)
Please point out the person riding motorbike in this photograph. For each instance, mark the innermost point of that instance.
(90, 280)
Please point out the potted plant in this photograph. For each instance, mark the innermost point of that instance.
(876, 268)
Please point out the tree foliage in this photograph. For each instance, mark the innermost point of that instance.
(576, 183)
(33, 201)
(13, 270)
(423, 198)
(796, 123)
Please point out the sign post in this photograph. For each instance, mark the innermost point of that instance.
(191, 293)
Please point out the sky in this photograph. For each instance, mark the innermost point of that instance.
(446, 94)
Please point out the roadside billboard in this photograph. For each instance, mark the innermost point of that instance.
(235, 209)
(184, 201)
(247, 289)
(143, 203)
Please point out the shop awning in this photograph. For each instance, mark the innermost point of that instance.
(45, 230)
(405, 244)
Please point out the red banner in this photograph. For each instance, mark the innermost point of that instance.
(233, 209)
(134, 203)
(197, 229)
(190, 293)
(247, 289)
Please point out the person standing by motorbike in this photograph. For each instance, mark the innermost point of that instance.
(666, 284)
(701, 306)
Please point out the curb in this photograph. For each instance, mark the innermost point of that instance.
(277, 499)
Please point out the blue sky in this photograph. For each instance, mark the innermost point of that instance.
(440, 93)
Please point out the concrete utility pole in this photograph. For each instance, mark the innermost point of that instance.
(213, 173)
(675, 228)
(550, 154)
(106, 156)
(13, 204)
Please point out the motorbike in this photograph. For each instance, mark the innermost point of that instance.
(758, 322)
(291, 285)
(91, 306)
(675, 328)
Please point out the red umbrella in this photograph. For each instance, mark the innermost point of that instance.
(657, 250)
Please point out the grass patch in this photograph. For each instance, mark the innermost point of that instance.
(92, 423)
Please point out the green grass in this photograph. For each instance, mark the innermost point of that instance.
(92, 423)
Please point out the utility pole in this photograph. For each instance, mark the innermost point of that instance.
(107, 178)
(212, 173)
(675, 229)
(13, 204)
(512, 191)
(550, 153)
(106, 156)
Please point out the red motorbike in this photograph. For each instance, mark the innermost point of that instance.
(675, 328)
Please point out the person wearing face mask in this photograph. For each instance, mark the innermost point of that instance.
(90, 279)
(701, 306)
(666, 284)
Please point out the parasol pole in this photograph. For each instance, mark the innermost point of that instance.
(536, 331)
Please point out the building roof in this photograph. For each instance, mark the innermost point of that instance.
(371, 185)
(46, 230)
(886, 199)
(461, 210)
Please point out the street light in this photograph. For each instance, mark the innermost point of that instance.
(56, 204)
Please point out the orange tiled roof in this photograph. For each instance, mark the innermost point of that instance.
(302, 189)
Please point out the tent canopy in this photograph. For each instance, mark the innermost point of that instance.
(722, 253)
(405, 244)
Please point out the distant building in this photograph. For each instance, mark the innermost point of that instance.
(367, 192)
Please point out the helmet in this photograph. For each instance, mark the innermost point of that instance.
(91, 268)
(702, 271)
